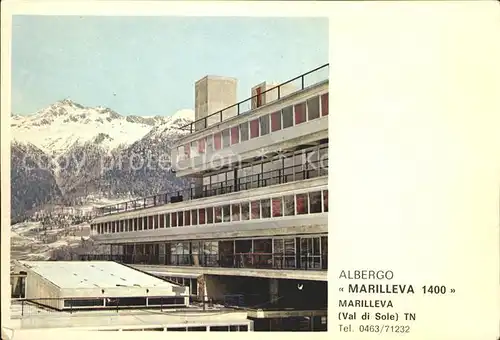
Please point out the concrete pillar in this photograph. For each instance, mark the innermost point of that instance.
(273, 290)
(202, 287)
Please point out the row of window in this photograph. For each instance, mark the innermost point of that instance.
(275, 207)
(231, 328)
(289, 116)
(308, 252)
(288, 166)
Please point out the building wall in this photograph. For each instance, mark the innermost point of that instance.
(277, 141)
(124, 291)
(294, 98)
(283, 189)
(39, 287)
(287, 226)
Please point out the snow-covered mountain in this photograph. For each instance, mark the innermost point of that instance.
(75, 151)
(65, 123)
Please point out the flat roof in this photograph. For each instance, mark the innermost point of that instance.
(92, 274)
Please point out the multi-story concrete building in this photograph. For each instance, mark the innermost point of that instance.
(255, 223)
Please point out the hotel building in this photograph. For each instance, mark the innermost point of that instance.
(252, 229)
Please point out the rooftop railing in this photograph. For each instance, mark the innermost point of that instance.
(278, 176)
(23, 307)
(300, 83)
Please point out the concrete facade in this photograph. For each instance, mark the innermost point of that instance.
(276, 141)
(316, 223)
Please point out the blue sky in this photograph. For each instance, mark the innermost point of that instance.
(148, 65)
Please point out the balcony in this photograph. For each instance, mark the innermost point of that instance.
(299, 119)
(291, 208)
(289, 168)
(237, 261)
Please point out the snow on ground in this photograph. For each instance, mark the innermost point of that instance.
(30, 241)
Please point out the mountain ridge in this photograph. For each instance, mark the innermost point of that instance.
(69, 151)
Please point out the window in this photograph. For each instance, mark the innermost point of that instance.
(217, 329)
(226, 213)
(162, 221)
(299, 165)
(289, 205)
(201, 145)
(264, 125)
(194, 217)
(287, 117)
(235, 135)
(140, 223)
(176, 329)
(313, 108)
(180, 219)
(174, 219)
(167, 220)
(255, 210)
(217, 141)
(276, 206)
(301, 201)
(300, 113)
(276, 121)
(201, 216)
(325, 200)
(187, 151)
(324, 104)
(187, 218)
(218, 214)
(230, 179)
(226, 141)
(244, 131)
(286, 249)
(315, 202)
(312, 163)
(210, 143)
(210, 215)
(194, 148)
(150, 222)
(180, 152)
(235, 212)
(136, 224)
(245, 213)
(254, 128)
(266, 208)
